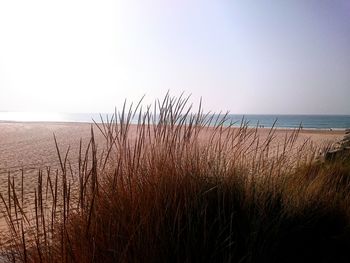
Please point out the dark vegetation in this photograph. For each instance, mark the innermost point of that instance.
(181, 190)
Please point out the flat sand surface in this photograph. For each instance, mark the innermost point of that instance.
(30, 146)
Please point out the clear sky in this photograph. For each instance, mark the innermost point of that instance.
(286, 57)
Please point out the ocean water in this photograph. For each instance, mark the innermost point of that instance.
(325, 122)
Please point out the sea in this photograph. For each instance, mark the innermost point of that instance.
(322, 122)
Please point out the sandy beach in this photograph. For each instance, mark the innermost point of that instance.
(31, 146)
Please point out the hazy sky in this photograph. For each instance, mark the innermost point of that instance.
(243, 56)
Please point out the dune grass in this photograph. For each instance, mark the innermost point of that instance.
(183, 187)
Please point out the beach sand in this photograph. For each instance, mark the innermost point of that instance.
(31, 146)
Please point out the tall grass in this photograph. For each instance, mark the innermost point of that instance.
(183, 187)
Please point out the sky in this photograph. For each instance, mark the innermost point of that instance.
(250, 57)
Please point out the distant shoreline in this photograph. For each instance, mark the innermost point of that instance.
(340, 130)
(233, 126)
(288, 122)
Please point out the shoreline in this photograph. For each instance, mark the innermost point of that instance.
(134, 124)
